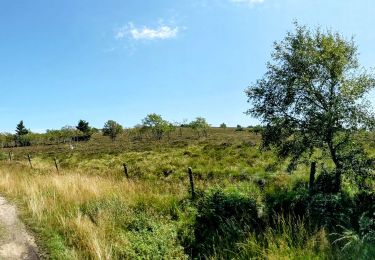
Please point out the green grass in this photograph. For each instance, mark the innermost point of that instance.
(89, 210)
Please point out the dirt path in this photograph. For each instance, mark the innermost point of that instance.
(15, 242)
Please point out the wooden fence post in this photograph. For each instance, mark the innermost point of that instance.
(312, 177)
(126, 171)
(10, 156)
(56, 164)
(190, 171)
(29, 157)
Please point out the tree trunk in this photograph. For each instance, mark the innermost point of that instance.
(338, 165)
(338, 179)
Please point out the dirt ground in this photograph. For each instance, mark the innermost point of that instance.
(15, 242)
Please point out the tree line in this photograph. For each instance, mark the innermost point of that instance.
(153, 125)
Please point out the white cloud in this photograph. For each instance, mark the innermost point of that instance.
(248, 2)
(146, 33)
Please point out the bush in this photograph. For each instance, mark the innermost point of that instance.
(148, 235)
(3, 156)
(357, 244)
(200, 125)
(287, 203)
(325, 182)
(23, 140)
(330, 210)
(223, 218)
(239, 128)
(365, 207)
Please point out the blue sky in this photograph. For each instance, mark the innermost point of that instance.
(61, 61)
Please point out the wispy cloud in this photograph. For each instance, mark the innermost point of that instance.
(247, 2)
(161, 32)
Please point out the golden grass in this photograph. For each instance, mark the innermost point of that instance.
(54, 202)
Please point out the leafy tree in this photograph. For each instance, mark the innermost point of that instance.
(112, 129)
(157, 125)
(313, 96)
(84, 127)
(52, 135)
(200, 125)
(223, 125)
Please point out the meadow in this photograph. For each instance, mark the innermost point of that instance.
(246, 205)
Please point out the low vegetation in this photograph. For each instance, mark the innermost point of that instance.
(247, 205)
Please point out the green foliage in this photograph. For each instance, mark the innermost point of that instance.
(23, 140)
(357, 244)
(356, 163)
(21, 137)
(6, 139)
(325, 182)
(365, 204)
(157, 125)
(223, 218)
(223, 125)
(288, 238)
(112, 129)
(3, 156)
(312, 96)
(287, 202)
(148, 234)
(239, 128)
(259, 211)
(256, 129)
(65, 134)
(21, 129)
(200, 125)
(151, 237)
(84, 127)
(330, 210)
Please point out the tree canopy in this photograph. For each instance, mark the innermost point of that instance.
(313, 96)
(112, 129)
(200, 125)
(157, 125)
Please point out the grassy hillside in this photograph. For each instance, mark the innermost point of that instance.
(246, 205)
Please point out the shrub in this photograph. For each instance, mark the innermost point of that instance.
(23, 140)
(358, 244)
(200, 125)
(364, 207)
(287, 202)
(223, 218)
(239, 128)
(330, 210)
(325, 182)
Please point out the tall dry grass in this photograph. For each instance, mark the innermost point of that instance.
(80, 216)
